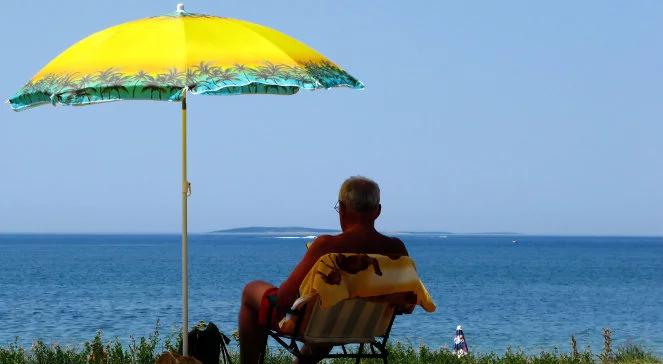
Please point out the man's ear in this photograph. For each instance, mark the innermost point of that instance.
(377, 212)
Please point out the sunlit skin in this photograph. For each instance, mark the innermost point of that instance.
(358, 236)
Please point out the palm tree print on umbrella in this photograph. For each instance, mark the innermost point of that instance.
(86, 93)
(140, 79)
(153, 87)
(104, 79)
(223, 76)
(299, 75)
(273, 76)
(68, 81)
(115, 84)
(85, 81)
(197, 75)
(204, 69)
(190, 78)
(243, 70)
(204, 78)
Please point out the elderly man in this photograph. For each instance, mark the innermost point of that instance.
(358, 207)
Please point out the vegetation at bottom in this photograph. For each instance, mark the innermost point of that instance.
(146, 350)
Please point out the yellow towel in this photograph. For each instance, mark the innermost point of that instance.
(338, 276)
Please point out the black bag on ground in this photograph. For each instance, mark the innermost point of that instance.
(207, 344)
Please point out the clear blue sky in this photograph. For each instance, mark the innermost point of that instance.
(491, 116)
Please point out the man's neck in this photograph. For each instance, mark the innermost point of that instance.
(359, 226)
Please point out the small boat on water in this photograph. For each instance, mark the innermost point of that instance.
(514, 241)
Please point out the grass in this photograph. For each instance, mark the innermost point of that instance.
(146, 350)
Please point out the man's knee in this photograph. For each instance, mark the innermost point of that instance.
(254, 290)
(248, 289)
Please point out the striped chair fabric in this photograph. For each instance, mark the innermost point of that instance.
(349, 321)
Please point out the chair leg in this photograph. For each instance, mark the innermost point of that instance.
(359, 352)
(264, 350)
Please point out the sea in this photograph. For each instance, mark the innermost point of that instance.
(530, 293)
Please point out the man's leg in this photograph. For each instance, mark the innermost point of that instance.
(252, 339)
(312, 354)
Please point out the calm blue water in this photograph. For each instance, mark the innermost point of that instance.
(533, 295)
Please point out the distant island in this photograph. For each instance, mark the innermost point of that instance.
(299, 230)
(274, 230)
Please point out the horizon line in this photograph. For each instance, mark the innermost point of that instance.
(217, 232)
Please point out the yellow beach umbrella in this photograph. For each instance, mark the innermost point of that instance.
(166, 57)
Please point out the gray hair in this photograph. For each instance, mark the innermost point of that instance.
(359, 194)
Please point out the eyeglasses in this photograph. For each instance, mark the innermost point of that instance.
(336, 206)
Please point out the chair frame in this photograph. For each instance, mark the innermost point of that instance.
(378, 348)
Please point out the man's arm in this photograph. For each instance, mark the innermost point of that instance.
(289, 289)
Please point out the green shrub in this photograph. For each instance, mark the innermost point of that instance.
(631, 353)
(146, 350)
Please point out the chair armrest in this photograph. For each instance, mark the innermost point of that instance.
(288, 325)
(302, 301)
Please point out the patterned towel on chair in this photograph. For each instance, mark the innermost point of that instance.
(339, 276)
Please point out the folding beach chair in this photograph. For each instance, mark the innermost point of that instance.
(364, 322)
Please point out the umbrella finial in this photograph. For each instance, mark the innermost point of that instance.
(180, 8)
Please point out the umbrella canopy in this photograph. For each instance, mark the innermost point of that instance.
(163, 58)
(158, 58)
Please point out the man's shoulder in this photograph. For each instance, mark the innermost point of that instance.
(398, 244)
(391, 239)
(324, 239)
(320, 244)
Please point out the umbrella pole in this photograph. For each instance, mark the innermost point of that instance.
(185, 258)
